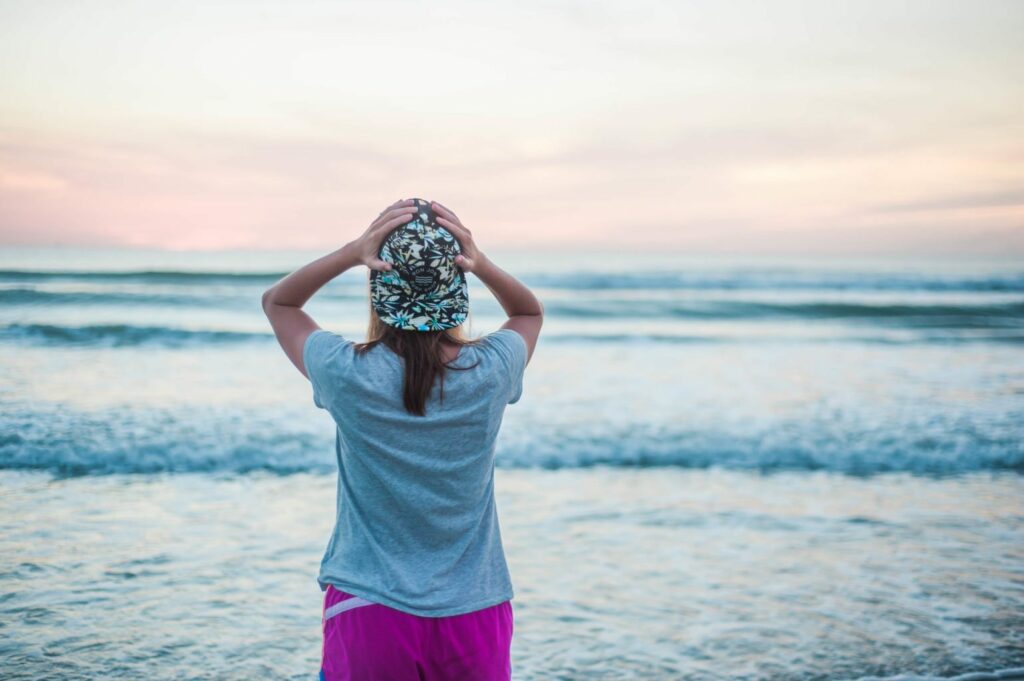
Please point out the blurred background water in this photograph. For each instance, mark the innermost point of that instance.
(721, 468)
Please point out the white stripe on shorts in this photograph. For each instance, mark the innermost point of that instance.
(347, 604)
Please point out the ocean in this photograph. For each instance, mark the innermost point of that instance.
(721, 467)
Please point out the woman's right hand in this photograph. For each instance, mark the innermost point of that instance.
(471, 255)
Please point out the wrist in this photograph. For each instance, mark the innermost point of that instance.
(481, 263)
(348, 255)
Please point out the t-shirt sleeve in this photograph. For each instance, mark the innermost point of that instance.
(511, 348)
(320, 356)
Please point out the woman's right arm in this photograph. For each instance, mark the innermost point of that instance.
(525, 312)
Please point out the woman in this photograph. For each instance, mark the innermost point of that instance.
(415, 579)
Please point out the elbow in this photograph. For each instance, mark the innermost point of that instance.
(268, 298)
(540, 310)
(271, 300)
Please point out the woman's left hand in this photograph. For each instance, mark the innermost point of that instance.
(367, 246)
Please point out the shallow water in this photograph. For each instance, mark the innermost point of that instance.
(618, 574)
(720, 468)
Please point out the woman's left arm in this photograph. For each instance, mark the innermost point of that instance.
(283, 301)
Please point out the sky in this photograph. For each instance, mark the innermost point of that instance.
(699, 127)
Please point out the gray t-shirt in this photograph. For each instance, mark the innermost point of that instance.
(416, 526)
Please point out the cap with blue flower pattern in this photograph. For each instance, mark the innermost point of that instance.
(424, 290)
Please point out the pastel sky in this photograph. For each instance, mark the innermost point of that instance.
(752, 127)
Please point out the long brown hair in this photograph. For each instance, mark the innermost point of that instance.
(422, 355)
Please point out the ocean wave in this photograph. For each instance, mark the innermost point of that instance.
(729, 280)
(231, 299)
(142, 276)
(778, 280)
(980, 315)
(122, 335)
(29, 296)
(70, 443)
(129, 335)
(976, 313)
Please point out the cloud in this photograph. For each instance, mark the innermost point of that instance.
(996, 199)
(20, 181)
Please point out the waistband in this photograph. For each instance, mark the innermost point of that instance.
(347, 602)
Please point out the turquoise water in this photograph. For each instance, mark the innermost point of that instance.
(721, 468)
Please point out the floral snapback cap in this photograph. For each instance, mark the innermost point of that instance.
(424, 290)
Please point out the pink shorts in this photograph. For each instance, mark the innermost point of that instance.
(364, 640)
